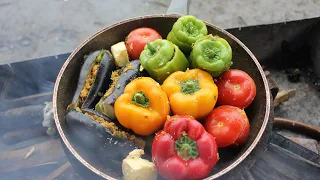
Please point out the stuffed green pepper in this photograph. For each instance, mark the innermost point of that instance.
(185, 31)
(160, 58)
(212, 54)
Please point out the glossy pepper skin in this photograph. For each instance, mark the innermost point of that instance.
(160, 58)
(185, 31)
(183, 150)
(212, 54)
(192, 92)
(143, 107)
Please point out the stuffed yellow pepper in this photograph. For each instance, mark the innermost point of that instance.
(191, 93)
(143, 107)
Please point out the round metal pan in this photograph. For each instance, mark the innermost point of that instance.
(260, 112)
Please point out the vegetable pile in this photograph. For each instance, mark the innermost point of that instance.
(180, 90)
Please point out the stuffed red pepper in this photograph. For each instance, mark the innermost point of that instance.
(184, 150)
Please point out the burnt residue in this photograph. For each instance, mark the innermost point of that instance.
(293, 75)
(293, 57)
(314, 78)
(296, 61)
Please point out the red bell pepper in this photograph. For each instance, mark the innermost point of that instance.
(184, 150)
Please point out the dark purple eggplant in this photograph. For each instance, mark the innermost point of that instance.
(101, 135)
(95, 77)
(87, 63)
(128, 73)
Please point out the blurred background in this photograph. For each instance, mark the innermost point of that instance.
(36, 28)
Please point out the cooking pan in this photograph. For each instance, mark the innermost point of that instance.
(88, 158)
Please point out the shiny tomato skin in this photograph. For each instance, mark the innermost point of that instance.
(138, 38)
(244, 135)
(236, 88)
(229, 125)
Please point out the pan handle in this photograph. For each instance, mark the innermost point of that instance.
(180, 7)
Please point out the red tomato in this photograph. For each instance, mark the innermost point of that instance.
(138, 38)
(244, 135)
(236, 88)
(229, 125)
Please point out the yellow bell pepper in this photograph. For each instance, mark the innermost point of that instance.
(191, 93)
(143, 107)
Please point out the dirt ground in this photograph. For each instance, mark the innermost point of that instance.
(36, 28)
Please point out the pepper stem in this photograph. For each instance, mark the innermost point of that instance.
(139, 98)
(186, 148)
(151, 48)
(99, 57)
(190, 86)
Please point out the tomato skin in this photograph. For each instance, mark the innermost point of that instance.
(138, 38)
(229, 125)
(244, 135)
(236, 88)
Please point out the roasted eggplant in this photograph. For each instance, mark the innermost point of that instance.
(101, 135)
(94, 78)
(119, 81)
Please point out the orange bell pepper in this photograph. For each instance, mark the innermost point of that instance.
(143, 107)
(191, 93)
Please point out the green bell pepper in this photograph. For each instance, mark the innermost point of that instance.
(185, 31)
(212, 54)
(160, 58)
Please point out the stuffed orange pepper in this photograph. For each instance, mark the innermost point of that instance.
(192, 92)
(143, 107)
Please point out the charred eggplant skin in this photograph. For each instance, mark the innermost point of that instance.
(92, 135)
(93, 112)
(101, 80)
(128, 73)
(83, 73)
(106, 118)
